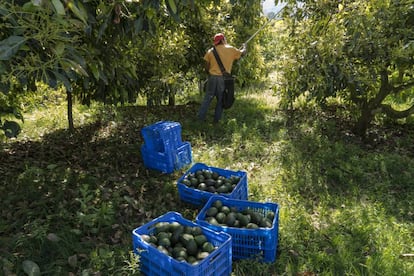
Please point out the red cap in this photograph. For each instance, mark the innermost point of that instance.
(218, 38)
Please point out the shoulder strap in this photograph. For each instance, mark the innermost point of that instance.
(223, 71)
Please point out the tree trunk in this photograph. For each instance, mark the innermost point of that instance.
(363, 122)
(70, 111)
(171, 95)
(368, 108)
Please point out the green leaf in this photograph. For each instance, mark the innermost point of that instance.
(60, 48)
(60, 9)
(172, 9)
(31, 268)
(68, 64)
(63, 79)
(78, 11)
(10, 46)
(173, 6)
(95, 70)
(138, 24)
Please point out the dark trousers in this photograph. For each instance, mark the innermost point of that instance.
(215, 88)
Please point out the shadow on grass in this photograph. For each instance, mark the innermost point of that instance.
(325, 161)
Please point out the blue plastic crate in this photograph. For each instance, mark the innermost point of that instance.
(154, 262)
(183, 156)
(259, 244)
(167, 162)
(162, 136)
(198, 198)
(160, 161)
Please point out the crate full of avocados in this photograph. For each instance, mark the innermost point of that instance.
(173, 245)
(201, 182)
(254, 226)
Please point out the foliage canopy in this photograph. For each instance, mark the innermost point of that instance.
(115, 51)
(358, 51)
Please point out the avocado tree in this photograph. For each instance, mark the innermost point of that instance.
(360, 52)
(109, 51)
(34, 46)
(91, 48)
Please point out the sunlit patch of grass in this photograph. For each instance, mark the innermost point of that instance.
(46, 110)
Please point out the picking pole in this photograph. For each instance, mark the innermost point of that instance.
(261, 28)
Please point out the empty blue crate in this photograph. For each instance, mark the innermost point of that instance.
(167, 162)
(253, 226)
(153, 262)
(162, 136)
(201, 182)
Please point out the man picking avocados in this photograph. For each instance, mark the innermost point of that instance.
(215, 83)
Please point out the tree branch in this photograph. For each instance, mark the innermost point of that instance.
(396, 114)
(383, 92)
(402, 87)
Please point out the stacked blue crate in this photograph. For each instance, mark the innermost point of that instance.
(163, 148)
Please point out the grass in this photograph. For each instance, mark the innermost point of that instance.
(70, 201)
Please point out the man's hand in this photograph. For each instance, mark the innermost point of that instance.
(243, 49)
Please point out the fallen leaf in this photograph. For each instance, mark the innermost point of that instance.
(31, 268)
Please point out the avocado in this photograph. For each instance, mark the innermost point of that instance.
(220, 217)
(215, 175)
(196, 230)
(162, 235)
(175, 237)
(211, 189)
(164, 242)
(270, 215)
(210, 182)
(243, 220)
(202, 255)
(192, 248)
(234, 179)
(146, 238)
(174, 225)
(198, 173)
(212, 220)
(218, 204)
(225, 209)
(207, 247)
(186, 182)
(255, 217)
(192, 260)
(266, 223)
(212, 212)
(200, 239)
(163, 250)
(208, 174)
(252, 226)
(186, 238)
(194, 181)
(153, 239)
(179, 252)
(202, 187)
(161, 227)
(222, 189)
(218, 183)
(230, 219)
(201, 178)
